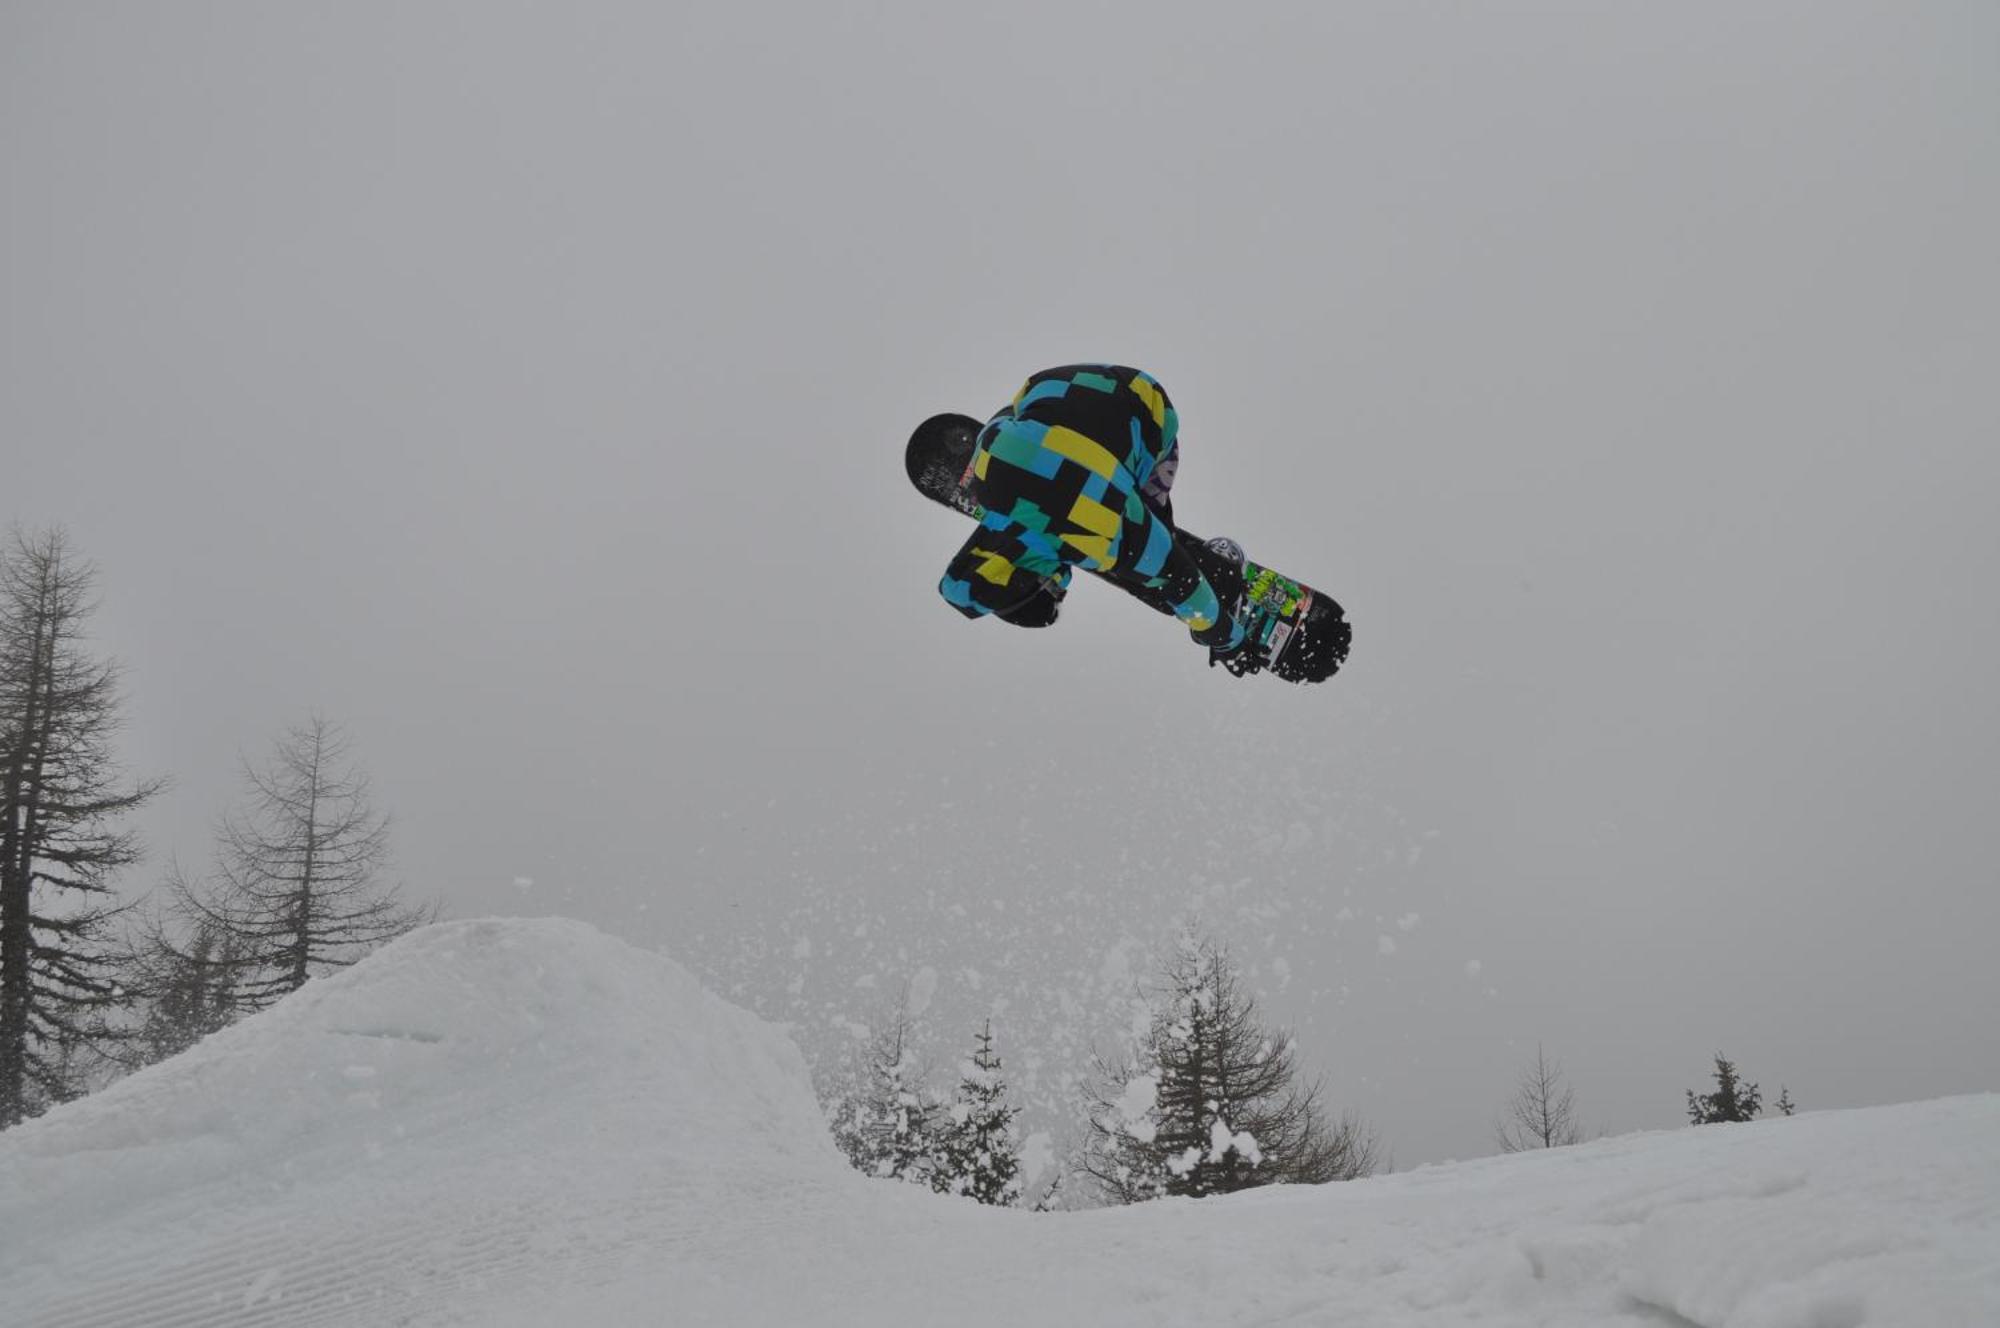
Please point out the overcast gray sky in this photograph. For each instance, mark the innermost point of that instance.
(522, 387)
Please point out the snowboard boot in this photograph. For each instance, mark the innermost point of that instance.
(1221, 560)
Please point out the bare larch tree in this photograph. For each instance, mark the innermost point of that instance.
(297, 888)
(60, 796)
(1211, 1101)
(1542, 1112)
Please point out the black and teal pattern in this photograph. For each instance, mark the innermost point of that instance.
(1059, 473)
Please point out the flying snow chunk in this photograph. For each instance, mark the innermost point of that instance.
(1221, 1142)
(1385, 945)
(1135, 1108)
(1037, 1155)
(1473, 968)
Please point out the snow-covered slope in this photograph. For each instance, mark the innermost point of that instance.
(438, 1126)
(528, 1123)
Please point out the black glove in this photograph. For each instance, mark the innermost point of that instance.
(1037, 610)
(1245, 657)
(1241, 662)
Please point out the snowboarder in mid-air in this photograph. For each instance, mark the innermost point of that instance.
(1076, 471)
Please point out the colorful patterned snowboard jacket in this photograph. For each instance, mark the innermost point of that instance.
(1063, 474)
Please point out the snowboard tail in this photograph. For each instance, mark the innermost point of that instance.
(1302, 633)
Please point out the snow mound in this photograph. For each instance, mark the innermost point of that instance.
(526, 1124)
(420, 1123)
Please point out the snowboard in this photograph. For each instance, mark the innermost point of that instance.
(1301, 633)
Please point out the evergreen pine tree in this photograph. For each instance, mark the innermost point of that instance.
(1785, 1104)
(977, 1154)
(905, 1124)
(887, 1123)
(1732, 1100)
(188, 996)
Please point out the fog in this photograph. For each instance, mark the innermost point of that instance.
(521, 388)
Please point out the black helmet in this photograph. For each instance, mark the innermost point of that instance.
(939, 454)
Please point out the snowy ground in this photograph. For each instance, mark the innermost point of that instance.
(528, 1123)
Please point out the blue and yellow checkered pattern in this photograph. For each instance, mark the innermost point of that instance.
(1060, 473)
